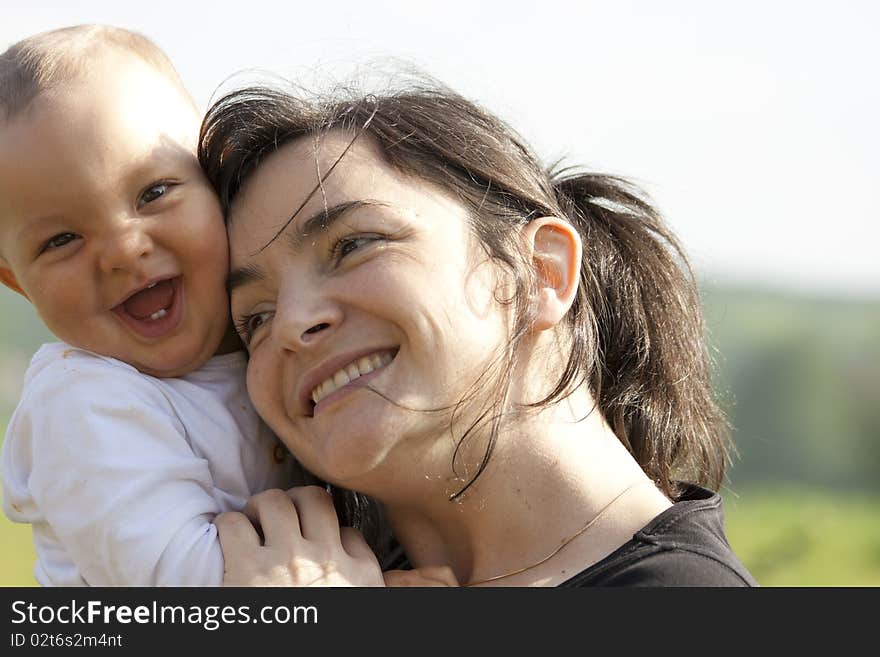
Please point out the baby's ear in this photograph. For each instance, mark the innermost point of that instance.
(8, 278)
(556, 255)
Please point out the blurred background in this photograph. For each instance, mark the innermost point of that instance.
(752, 125)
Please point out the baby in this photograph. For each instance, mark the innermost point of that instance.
(136, 430)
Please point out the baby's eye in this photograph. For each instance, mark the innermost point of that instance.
(57, 241)
(153, 193)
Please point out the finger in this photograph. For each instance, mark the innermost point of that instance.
(421, 577)
(236, 533)
(355, 545)
(407, 579)
(317, 515)
(440, 575)
(398, 578)
(273, 512)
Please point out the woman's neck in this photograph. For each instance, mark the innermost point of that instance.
(549, 475)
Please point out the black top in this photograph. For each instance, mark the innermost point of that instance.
(683, 546)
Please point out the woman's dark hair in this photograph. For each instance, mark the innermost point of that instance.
(636, 325)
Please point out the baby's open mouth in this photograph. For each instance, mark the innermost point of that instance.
(151, 303)
(154, 310)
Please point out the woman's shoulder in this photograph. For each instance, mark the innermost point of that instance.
(684, 546)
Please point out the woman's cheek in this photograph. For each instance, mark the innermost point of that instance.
(263, 388)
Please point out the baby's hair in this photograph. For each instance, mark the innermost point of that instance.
(636, 325)
(47, 60)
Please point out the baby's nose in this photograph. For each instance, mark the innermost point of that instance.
(126, 249)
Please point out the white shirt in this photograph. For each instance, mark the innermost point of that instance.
(121, 474)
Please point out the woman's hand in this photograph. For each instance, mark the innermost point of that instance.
(303, 544)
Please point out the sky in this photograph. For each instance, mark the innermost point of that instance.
(753, 125)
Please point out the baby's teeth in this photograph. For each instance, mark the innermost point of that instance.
(158, 314)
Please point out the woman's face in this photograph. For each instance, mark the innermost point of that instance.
(376, 282)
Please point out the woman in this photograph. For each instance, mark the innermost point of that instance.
(509, 360)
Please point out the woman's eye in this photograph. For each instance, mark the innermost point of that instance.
(256, 321)
(58, 241)
(348, 245)
(153, 193)
(249, 324)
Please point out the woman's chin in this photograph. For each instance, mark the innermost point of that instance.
(348, 458)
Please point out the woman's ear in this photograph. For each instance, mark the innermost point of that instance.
(556, 255)
(8, 279)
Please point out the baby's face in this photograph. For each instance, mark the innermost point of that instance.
(107, 223)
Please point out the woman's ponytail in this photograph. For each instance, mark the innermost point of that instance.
(637, 321)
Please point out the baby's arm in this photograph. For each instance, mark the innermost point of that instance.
(109, 469)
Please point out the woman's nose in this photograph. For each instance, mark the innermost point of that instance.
(126, 248)
(306, 321)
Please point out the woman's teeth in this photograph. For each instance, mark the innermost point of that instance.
(349, 373)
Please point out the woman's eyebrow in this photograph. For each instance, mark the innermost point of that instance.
(322, 220)
(241, 276)
(296, 237)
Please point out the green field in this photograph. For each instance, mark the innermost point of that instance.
(806, 537)
(17, 564)
(785, 536)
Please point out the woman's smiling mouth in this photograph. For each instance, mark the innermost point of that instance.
(358, 370)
